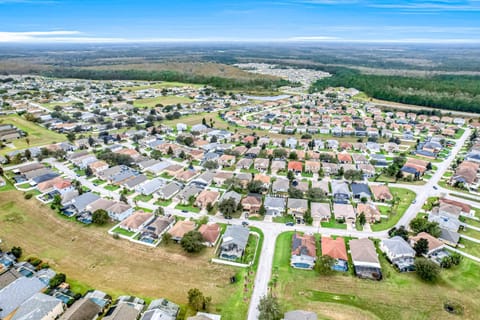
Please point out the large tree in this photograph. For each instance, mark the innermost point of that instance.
(192, 241)
(100, 217)
(324, 265)
(227, 207)
(269, 308)
(427, 270)
(421, 247)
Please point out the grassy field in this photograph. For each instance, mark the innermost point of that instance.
(165, 100)
(92, 259)
(398, 296)
(162, 85)
(52, 105)
(406, 198)
(36, 134)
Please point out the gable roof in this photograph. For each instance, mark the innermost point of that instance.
(83, 309)
(398, 246)
(210, 232)
(37, 307)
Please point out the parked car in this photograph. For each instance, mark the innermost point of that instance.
(435, 187)
(290, 224)
(245, 223)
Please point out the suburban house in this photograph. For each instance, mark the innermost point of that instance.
(280, 187)
(336, 249)
(206, 197)
(136, 221)
(161, 309)
(365, 259)
(234, 242)
(244, 163)
(156, 228)
(312, 166)
(190, 191)
(150, 186)
(237, 197)
(370, 210)
(40, 306)
(261, 164)
(83, 309)
(210, 233)
(252, 203)
(303, 251)
(277, 165)
(168, 191)
(341, 192)
(434, 245)
(297, 208)
(344, 212)
(381, 193)
(447, 216)
(119, 211)
(295, 166)
(274, 206)
(221, 177)
(320, 211)
(399, 253)
(181, 228)
(360, 190)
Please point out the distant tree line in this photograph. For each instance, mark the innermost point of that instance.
(173, 76)
(452, 92)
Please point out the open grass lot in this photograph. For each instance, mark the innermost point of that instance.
(398, 296)
(36, 134)
(93, 259)
(406, 198)
(165, 100)
(52, 105)
(162, 85)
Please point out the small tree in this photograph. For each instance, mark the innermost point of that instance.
(262, 211)
(324, 265)
(197, 300)
(192, 242)
(307, 217)
(361, 219)
(160, 211)
(166, 238)
(100, 217)
(421, 247)
(427, 270)
(16, 251)
(269, 308)
(57, 280)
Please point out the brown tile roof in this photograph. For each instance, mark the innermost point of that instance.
(210, 232)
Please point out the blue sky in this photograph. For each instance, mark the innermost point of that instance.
(435, 21)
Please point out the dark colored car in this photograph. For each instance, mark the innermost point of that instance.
(290, 224)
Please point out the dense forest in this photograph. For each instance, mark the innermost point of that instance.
(452, 92)
(217, 82)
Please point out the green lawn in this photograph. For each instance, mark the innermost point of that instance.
(163, 84)
(8, 185)
(398, 296)
(111, 187)
(37, 135)
(123, 232)
(283, 219)
(98, 182)
(406, 198)
(144, 198)
(187, 208)
(333, 224)
(471, 247)
(51, 105)
(163, 203)
(25, 185)
(165, 100)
